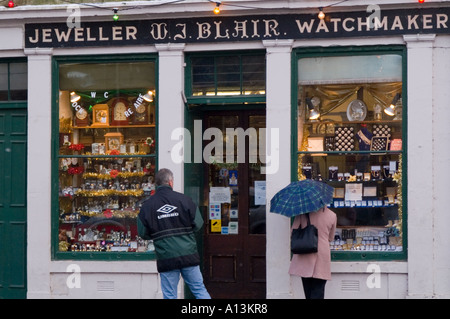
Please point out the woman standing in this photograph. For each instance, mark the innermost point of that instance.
(315, 268)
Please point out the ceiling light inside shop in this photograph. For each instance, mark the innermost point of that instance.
(74, 97)
(148, 96)
(313, 113)
(391, 109)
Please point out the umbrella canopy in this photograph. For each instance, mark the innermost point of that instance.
(301, 197)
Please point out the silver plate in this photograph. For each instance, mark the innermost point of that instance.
(356, 110)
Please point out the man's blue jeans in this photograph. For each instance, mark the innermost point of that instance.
(192, 277)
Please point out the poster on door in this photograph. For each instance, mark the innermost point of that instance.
(223, 218)
(260, 193)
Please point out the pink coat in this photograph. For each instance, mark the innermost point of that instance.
(316, 265)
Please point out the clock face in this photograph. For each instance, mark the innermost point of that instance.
(81, 114)
(119, 111)
(140, 109)
(101, 116)
(113, 143)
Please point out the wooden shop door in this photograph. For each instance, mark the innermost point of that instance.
(13, 207)
(235, 225)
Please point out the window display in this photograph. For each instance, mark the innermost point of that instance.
(350, 136)
(107, 154)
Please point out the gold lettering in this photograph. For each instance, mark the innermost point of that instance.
(79, 34)
(305, 26)
(361, 24)
(204, 30)
(46, 35)
(218, 35)
(380, 24)
(100, 35)
(271, 27)
(427, 21)
(88, 35)
(347, 28)
(441, 20)
(61, 35)
(335, 22)
(255, 29)
(322, 26)
(159, 31)
(36, 37)
(181, 35)
(117, 33)
(240, 26)
(131, 32)
(397, 23)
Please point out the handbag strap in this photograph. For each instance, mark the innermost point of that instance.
(307, 217)
(308, 221)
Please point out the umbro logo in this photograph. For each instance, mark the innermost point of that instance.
(166, 209)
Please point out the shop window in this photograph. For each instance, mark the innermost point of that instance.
(106, 155)
(350, 133)
(13, 81)
(228, 75)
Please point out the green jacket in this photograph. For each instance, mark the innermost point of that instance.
(171, 219)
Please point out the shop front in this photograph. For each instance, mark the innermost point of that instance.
(237, 106)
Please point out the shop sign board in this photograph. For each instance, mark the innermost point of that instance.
(239, 28)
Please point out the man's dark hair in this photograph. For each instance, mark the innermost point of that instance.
(163, 177)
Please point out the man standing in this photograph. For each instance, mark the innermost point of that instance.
(171, 219)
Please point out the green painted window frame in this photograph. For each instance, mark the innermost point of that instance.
(219, 100)
(309, 52)
(56, 61)
(10, 101)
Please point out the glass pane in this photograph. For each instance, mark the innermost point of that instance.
(350, 136)
(107, 157)
(253, 75)
(107, 76)
(350, 69)
(223, 179)
(228, 75)
(4, 82)
(257, 181)
(203, 76)
(18, 81)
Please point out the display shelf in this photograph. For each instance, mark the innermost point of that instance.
(115, 126)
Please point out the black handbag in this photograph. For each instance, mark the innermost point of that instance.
(304, 241)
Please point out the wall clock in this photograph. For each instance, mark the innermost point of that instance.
(100, 115)
(119, 107)
(113, 141)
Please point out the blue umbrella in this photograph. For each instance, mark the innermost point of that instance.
(301, 197)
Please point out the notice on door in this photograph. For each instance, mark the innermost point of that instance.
(216, 226)
(219, 195)
(215, 211)
(260, 193)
